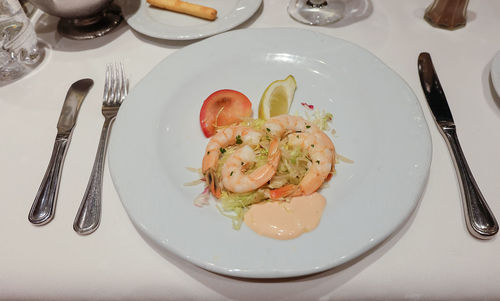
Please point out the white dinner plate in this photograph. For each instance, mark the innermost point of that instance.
(164, 24)
(378, 122)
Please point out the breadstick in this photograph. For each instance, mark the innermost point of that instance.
(192, 9)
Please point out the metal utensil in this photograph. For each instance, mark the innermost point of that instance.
(43, 208)
(88, 217)
(481, 222)
(82, 20)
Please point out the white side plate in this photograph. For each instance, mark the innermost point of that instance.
(164, 24)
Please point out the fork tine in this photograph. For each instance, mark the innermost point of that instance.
(112, 84)
(116, 100)
(107, 84)
(124, 83)
(116, 84)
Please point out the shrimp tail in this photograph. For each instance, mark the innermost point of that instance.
(283, 192)
(212, 184)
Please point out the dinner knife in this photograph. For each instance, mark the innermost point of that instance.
(43, 208)
(480, 221)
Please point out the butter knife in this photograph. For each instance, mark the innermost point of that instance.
(43, 208)
(480, 221)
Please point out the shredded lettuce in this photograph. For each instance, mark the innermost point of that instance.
(234, 205)
(294, 163)
(320, 118)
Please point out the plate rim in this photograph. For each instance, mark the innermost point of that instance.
(495, 72)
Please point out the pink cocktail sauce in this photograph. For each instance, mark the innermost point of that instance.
(286, 220)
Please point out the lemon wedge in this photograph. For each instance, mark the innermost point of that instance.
(277, 98)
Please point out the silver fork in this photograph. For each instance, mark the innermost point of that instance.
(88, 217)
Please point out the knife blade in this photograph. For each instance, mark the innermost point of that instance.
(480, 221)
(43, 208)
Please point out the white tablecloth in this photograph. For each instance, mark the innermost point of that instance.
(431, 257)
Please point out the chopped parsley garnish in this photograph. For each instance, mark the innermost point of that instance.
(312, 145)
(268, 129)
(231, 173)
(222, 150)
(317, 161)
(308, 126)
(238, 140)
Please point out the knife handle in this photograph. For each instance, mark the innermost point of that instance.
(480, 221)
(43, 208)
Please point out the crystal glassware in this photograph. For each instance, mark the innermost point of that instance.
(316, 12)
(19, 50)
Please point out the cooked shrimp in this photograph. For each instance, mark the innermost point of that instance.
(233, 177)
(223, 138)
(282, 124)
(285, 124)
(321, 156)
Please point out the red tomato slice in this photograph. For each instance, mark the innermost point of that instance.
(223, 107)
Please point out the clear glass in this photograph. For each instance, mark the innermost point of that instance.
(18, 42)
(316, 12)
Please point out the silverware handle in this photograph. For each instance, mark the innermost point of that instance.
(481, 222)
(43, 208)
(88, 218)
